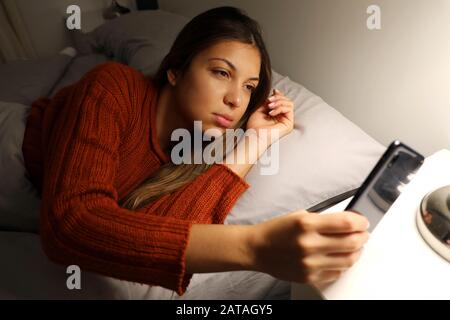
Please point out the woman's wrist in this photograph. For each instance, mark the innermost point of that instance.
(253, 243)
(217, 248)
(247, 151)
(267, 137)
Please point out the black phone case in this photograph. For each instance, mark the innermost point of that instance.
(385, 182)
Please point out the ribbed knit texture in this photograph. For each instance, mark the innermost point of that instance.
(88, 148)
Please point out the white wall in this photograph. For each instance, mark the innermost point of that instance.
(393, 82)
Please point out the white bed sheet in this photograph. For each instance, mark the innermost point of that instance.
(26, 273)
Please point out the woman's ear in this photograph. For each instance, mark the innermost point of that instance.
(172, 77)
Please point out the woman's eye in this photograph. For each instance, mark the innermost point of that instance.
(221, 73)
(250, 88)
(225, 74)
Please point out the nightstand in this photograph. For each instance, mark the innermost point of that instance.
(396, 262)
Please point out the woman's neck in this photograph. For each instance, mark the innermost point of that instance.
(167, 118)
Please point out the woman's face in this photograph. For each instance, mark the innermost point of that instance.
(217, 86)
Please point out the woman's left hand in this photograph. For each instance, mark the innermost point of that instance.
(276, 113)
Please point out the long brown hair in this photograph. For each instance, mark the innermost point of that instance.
(203, 31)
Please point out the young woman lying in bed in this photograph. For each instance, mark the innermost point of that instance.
(115, 203)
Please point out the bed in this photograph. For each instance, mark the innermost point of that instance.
(322, 162)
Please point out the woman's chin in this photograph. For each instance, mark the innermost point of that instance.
(213, 131)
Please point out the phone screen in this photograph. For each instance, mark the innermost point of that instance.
(385, 183)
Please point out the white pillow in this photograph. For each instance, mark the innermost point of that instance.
(324, 156)
(19, 201)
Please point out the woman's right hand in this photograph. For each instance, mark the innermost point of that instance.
(307, 247)
(274, 119)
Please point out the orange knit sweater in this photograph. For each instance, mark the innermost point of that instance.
(89, 147)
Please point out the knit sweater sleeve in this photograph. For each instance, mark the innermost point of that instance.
(81, 222)
(207, 199)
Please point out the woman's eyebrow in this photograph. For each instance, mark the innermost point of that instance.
(231, 66)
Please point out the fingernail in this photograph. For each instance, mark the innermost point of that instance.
(271, 98)
(271, 105)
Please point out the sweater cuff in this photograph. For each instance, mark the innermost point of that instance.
(184, 278)
(228, 171)
(172, 275)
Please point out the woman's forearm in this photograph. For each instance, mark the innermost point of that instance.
(218, 248)
(246, 153)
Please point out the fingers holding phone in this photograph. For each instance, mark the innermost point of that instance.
(309, 248)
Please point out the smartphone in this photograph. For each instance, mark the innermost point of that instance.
(395, 169)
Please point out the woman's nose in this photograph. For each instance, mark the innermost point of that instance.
(233, 98)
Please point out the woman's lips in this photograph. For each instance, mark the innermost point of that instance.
(223, 120)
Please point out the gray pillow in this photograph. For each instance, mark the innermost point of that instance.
(24, 81)
(77, 68)
(325, 155)
(140, 39)
(19, 200)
